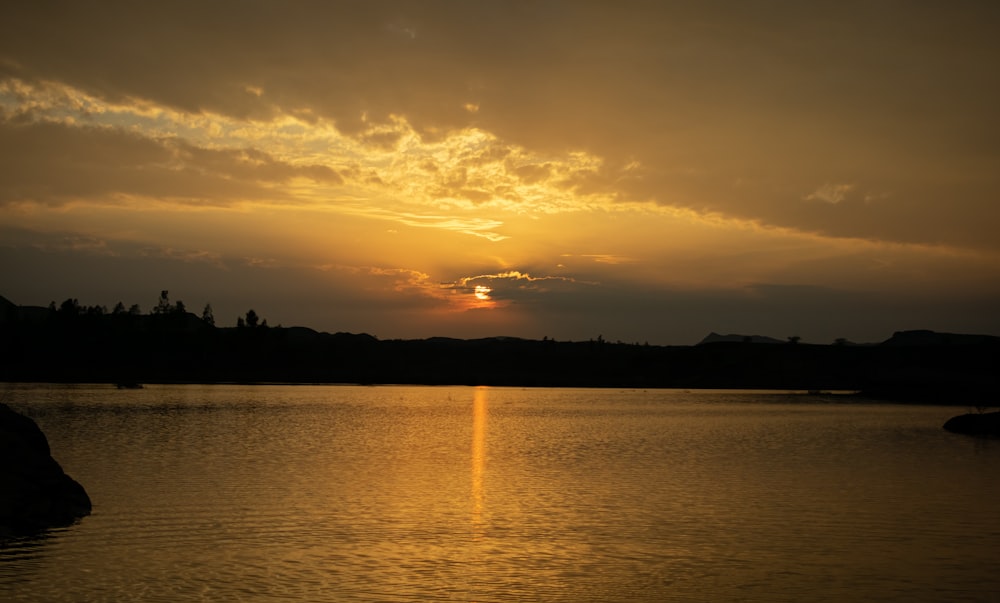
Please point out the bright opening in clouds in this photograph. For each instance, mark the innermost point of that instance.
(482, 292)
(645, 171)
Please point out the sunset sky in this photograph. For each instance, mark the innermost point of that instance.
(642, 171)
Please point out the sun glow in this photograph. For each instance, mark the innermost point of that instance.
(483, 292)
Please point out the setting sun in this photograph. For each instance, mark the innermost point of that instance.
(483, 292)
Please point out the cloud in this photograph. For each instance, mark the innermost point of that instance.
(605, 258)
(392, 300)
(510, 286)
(487, 159)
(513, 276)
(478, 227)
(75, 243)
(830, 193)
(247, 165)
(216, 159)
(52, 164)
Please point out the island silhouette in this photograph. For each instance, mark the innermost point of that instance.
(74, 343)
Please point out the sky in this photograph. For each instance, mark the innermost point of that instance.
(639, 171)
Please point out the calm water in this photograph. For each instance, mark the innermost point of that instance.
(233, 493)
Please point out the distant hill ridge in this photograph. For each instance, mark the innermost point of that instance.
(925, 337)
(75, 343)
(714, 337)
(11, 312)
(916, 337)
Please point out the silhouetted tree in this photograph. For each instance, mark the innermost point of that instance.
(135, 310)
(240, 323)
(163, 306)
(179, 307)
(252, 319)
(119, 309)
(70, 307)
(207, 316)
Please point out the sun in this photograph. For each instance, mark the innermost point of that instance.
(483, 292)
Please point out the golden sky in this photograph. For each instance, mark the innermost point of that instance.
(643, 171)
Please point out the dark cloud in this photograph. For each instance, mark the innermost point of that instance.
(51, 163)
(248, 165)
(104, 272)
(55, 163)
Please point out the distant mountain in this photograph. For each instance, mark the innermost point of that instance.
(918, 337)
(11, 312)
(714, 337)
(924, 337)
(8, 310)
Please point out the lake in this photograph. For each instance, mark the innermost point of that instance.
(344, 493)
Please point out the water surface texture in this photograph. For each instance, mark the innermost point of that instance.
(340, 493)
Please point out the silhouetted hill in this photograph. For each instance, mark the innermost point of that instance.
(75, 344)
(922, 337)
(714, 337)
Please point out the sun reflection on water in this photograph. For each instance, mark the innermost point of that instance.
(478, 458)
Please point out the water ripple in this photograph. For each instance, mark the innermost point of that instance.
(230, 493)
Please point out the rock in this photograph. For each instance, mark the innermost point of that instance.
(35, 493)
(978, 424)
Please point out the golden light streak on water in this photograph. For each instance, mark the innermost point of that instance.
(478, 458)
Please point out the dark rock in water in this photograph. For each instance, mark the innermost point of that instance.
(978, 424)
(35, 493)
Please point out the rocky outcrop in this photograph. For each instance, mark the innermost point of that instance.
(35, 493)
(977, 424)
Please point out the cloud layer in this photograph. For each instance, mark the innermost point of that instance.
(589, 164)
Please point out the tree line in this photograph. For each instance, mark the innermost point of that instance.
(75, 343)
(72, 308)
